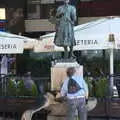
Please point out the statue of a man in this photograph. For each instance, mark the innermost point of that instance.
(65, 19)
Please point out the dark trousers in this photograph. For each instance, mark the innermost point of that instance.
(79, 105)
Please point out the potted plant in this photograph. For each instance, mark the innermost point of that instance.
(100, 92)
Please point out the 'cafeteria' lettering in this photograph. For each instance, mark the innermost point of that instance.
(8, 46)
(86, 42)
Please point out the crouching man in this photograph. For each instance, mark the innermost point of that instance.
(76, 90)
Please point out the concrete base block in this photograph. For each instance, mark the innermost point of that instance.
(58, 73)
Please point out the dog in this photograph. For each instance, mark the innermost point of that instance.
(58, 110)
(55, 105)
(90, 105)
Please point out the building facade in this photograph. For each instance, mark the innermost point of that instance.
(31, 16)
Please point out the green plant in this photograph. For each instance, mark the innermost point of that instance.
(101, 88)
(18, 89)
(11, 87)
(34, 91)
(23, 91)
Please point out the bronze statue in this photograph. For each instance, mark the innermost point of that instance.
(65, 19)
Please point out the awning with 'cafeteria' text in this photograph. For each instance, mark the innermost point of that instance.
(103, 33)
(11, 46)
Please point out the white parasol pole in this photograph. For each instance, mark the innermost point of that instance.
(111, 82)
(111, 63)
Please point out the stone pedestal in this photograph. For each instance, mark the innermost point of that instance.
(58, 72)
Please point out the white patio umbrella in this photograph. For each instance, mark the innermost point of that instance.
(99, 34)
(89, 36)
(12, 43)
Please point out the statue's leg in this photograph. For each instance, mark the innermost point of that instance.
(71, 54)
(65, 52)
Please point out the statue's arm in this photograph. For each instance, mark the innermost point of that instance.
(73, 14)
(59, 14)
(54, 18)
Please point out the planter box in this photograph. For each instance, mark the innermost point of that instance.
(113, 107)
(17, 104)
(99, 110)
(106, 108)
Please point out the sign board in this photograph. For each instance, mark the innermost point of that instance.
(2, 14)
(2, 25)
(11, 46)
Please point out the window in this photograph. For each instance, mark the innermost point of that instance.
(37, 9)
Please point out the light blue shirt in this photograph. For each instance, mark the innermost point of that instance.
(82, 92)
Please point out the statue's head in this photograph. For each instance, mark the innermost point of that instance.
(66, 1)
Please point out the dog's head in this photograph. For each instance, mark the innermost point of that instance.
(50, 98)
(91, 104)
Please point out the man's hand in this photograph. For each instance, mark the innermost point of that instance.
(60, 98)
(86, 100)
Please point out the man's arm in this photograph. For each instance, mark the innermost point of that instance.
(64, 89)
(85, 86)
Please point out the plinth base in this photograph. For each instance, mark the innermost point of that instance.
(58, 71)
(65, 60)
